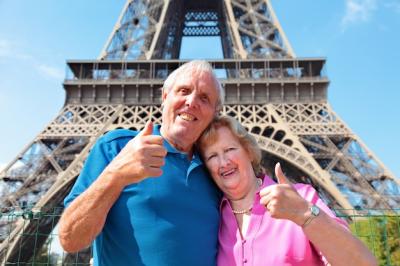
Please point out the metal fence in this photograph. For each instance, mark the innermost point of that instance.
(36, 243)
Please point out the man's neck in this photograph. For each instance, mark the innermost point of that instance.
(186, 149)
(179, 144)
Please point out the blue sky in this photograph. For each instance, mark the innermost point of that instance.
(359, 38)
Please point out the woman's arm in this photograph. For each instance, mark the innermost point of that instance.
(336, 243)
(332, 239)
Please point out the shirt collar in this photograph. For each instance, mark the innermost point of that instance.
(166, 144)
(267, 181)
(171, 149)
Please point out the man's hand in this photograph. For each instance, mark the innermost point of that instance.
(283, 201)
(142, 157)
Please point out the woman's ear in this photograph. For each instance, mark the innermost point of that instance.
(251, 156)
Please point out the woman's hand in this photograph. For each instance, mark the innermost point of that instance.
(283, 201)
(327, 235)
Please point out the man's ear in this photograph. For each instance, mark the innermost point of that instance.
(163, 94)
(218, 110)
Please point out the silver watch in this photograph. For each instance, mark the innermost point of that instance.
(314, 213)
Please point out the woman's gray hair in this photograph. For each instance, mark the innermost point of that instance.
(249, 143)
(200, 66)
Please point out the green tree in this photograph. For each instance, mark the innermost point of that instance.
(381, 234)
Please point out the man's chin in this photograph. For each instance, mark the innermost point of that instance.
(186, 135)
(185, 130)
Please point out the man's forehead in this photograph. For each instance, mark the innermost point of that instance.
(201, 79)
(194, 74)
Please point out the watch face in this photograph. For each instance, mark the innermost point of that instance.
(314, 210)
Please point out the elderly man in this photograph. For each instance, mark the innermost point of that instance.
(145, 197)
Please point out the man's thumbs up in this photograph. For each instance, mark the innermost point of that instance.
(280, 176)
(147, 130)
(142, 157)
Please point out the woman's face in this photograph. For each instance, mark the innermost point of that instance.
(229, 164)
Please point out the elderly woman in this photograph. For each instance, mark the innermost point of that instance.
(268, 223)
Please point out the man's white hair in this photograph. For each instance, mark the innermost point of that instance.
(198, 66)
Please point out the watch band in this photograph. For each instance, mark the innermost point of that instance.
(314, 210)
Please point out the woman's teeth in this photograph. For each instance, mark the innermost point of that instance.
(224, 174)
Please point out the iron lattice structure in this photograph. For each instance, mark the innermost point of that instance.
(281, 99)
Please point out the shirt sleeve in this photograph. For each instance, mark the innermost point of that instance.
(94, 165)
(101, 154)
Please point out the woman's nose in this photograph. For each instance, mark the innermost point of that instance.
(224, 161)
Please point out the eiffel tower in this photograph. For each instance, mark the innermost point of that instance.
(281, 99)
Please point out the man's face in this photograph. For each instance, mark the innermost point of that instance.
(189, 107)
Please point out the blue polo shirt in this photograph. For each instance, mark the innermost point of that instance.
(168, 220)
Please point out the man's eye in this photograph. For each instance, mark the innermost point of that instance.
(184, 90)
(204, 99)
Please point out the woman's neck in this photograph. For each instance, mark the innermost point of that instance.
(246, 202)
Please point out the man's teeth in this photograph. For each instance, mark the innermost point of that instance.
(187, 117)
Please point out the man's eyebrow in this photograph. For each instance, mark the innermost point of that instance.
(187, 85)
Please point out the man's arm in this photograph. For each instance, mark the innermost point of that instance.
(84, 218)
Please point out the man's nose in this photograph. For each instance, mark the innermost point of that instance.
(192, 100)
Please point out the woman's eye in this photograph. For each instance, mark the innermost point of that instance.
(230, 149)
(210, 157)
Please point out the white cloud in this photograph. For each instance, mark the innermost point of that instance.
(5, 48)
(51, 72)
(358, 11)
(393, 5)
(10, 50)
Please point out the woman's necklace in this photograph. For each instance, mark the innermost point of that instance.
(242, 211)
(248, 210)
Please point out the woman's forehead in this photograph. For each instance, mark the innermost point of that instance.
(221, 133)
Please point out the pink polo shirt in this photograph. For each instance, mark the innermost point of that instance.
(268, 241)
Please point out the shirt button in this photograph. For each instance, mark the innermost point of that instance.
(245, 261)
(244, 241)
